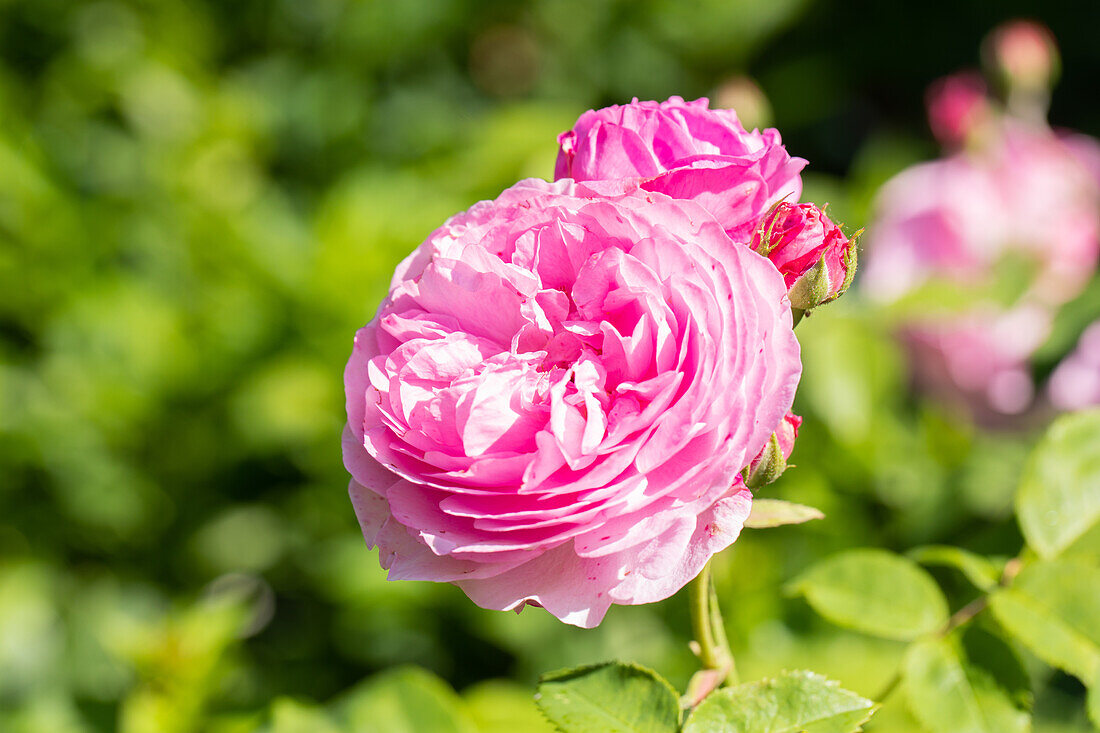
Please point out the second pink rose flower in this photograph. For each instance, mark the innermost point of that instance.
(687, 151)
(745, 180)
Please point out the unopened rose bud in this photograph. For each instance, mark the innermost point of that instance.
(742, 94)
(771, 462)
(958, 108)
(816, 259)
(1024, 55)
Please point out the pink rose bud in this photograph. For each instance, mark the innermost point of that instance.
(771, 462)
(958, 108)
(1024, 54)
(815, 258)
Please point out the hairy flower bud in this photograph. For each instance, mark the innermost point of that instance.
(771, 462)
(816, 259)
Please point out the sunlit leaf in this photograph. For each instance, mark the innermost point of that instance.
(768, 513)
(609, 698)
(874, 591)
(499, 706)
(1054, 609)
(290, 716)
(965, 683)
(794, 702)
(1058, 503)
(1094, 700)
(405, 700)
(980, 571)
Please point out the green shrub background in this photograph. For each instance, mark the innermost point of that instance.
(201, 201)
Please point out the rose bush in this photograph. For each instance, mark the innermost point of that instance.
(687, 151)
(554, 403)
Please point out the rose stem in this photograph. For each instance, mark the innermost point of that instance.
(708, 628)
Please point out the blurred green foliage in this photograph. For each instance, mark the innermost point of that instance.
(201, 201)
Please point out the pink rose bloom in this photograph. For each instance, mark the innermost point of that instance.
(811, 252)
(957, 106)
(687, 151)
(554, 403)
(1075, 383)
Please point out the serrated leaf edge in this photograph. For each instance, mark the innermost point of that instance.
(561, 673)
(872, 706)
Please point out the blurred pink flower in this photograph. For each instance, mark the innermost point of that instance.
(1085, 149)
(980, 358)
(1024, 53)
(1014, 223)
(1075, 383)
(958, 106)
(815, 258)
(687, 151)
(554, 403)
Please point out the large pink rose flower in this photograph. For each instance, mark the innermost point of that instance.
(687, 151)
(553, 404)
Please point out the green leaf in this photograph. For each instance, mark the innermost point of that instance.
(794, 702)
(405, 700)
(874, 591)
(499, 706)
(1054, 609)
(1058, 503)
(852, 371)
(1094, 700)
(966, 683)
(980, 571)
(609, 698)
(768, 513)
(290, 716)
